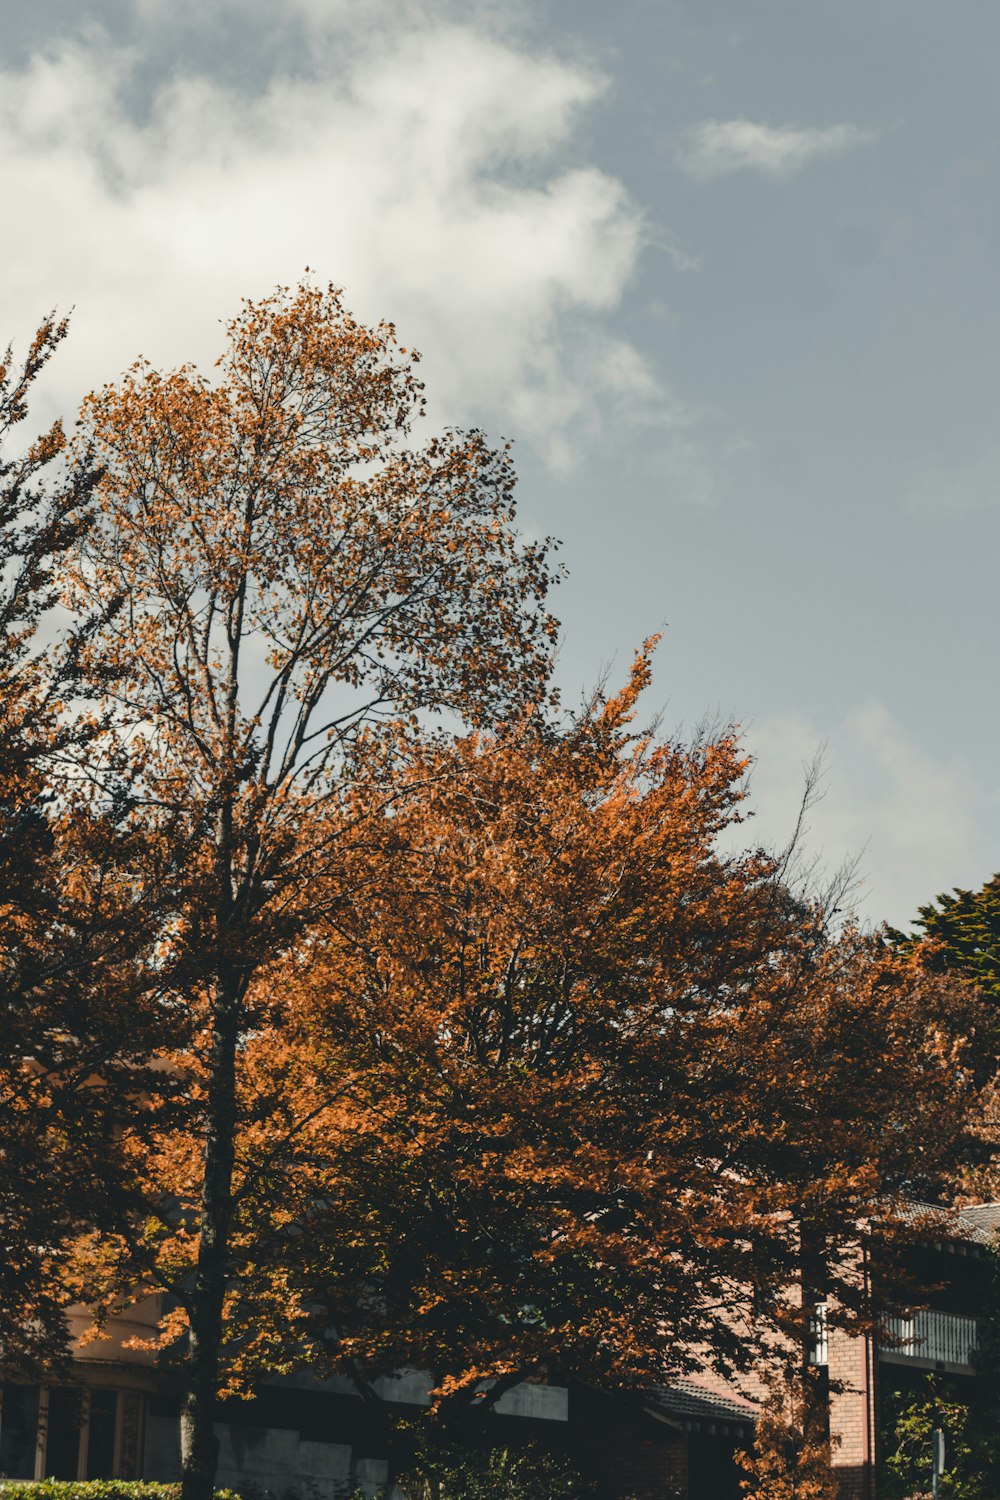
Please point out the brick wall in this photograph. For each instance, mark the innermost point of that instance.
(852, 1414)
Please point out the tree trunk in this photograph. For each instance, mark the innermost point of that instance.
(199, 1444)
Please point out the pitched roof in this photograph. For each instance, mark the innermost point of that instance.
(975, 1224)
(697, 1405)
(979, 1222)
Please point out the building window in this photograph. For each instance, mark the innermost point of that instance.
(63, 1431)
(819, 1352)
(18, 1431)
(67, 1432)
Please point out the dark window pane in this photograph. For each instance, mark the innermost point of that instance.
(18, 1431)
(130, 1428)
(101, 1434)
(62, 1432)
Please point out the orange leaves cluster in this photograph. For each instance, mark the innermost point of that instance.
(290, 563)
(791, 1456)
(605, 1082)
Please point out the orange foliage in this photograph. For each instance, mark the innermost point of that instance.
(73, 1022)
(601, 1096)
(293, 573)
(790, 1459)
(478, 1055)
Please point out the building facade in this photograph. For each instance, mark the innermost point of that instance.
(302, 1438)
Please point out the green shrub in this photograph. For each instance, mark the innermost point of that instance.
(451, 1472)
(95, 1489)
(972, 1443)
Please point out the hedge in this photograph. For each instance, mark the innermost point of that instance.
(95, 1489)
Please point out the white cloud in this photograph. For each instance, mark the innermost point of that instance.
(415, 168)
(917, 825)
(715, 148)
(949, 490)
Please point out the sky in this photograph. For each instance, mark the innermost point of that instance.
(726, 271)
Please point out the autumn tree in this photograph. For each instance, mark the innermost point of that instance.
(608, 1095)
(66, 923)
(295, 574)
(37, 525)
(790, 1457)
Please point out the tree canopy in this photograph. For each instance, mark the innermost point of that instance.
(958, 935)
(378, 1011)
(594, 1096)
(959, 932)
(73, 1041)
(294, 575)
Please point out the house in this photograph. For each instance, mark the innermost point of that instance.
(309, 1437)
(944, 1337)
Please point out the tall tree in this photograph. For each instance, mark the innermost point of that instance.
(294, 574)
(959, 932)
(607, 1095)
(63, 911)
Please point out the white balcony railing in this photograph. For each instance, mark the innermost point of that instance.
(937, 1337)
(943, 1338)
